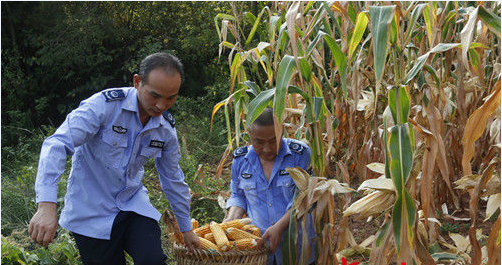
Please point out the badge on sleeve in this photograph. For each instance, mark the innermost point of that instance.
(156, 144)
(283, 172)
(119, 129)
(114, 94)
(241, 151)
(246, 175)
(296, 147)
(169, 118)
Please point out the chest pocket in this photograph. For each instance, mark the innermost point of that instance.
(287, 185)
(148, 153)
(113, 151)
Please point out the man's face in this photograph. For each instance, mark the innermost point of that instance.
(264, 141)
(159, 93)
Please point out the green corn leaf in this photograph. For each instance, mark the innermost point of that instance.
(385, 138)
(393, 30)
(286, 69)
(305, 69)
(258, 104)
(420, 62)
(429, 24)
(401, 109)
(221, 16)
(381, 235)
(410, 216)
(381, 16)
(397, 214)
(318, 104)
(414, 17)
(400, 150)
(255, 26)
(340, 61)
(234, 69)
(253, 87)
(490, 19)
(361, 24)
(352, 13)
(288, 248)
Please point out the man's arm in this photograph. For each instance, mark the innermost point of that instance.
(79, 125)
(235, 212)
(172, 181)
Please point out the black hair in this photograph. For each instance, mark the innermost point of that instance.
(266, 118)
(167, 62)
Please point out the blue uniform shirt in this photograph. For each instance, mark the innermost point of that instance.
(109, 147)
(267, 201)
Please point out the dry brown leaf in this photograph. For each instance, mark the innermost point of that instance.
(374, 203)
(492, 205)
(466, 36)
(493, 247)
(476, 125)
(381, 183)
(377, 167)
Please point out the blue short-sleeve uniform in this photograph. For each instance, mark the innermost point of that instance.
(109, 147)
(267, 201)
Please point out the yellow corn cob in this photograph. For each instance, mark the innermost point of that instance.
(210, 237)
(252, 230)
(195, 224)
(219, 236)
(237, 223)
(235, 234)
(206, 244)
(246, 243)
(201, 231)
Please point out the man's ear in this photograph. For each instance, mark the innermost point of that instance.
(136, 79)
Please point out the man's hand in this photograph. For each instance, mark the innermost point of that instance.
(43, 224)
(273, 235)
(191, 240)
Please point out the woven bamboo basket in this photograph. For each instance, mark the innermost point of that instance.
(232, 257)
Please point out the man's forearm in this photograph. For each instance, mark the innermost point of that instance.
(235, 212)
(284, 221)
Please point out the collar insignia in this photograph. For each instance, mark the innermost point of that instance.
(241, 151)
(114, 94)
(169, 118)
(246, 175)
(283, 172)
(297, 148)
(156, 144)
(119, 129)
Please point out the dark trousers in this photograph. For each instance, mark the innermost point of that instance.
(138, 235)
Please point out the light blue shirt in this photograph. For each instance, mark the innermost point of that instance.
(109, 147)
(267, 201)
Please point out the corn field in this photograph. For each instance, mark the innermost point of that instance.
(400, 105)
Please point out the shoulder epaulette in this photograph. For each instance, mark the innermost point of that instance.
(169, 118)
(297, 147)
(114, 94)
(241, 151)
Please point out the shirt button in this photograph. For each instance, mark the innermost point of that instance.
(269, 205)
(247, 189)
(287, 185)
(114, 144)
(269, 188)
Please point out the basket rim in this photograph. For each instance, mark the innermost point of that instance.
(181, 250)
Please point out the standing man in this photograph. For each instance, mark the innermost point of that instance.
(262, 187)
(111, 135)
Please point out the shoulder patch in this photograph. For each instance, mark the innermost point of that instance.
(114, 94)
(169, 118)
(296, 147)
(241, 151)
